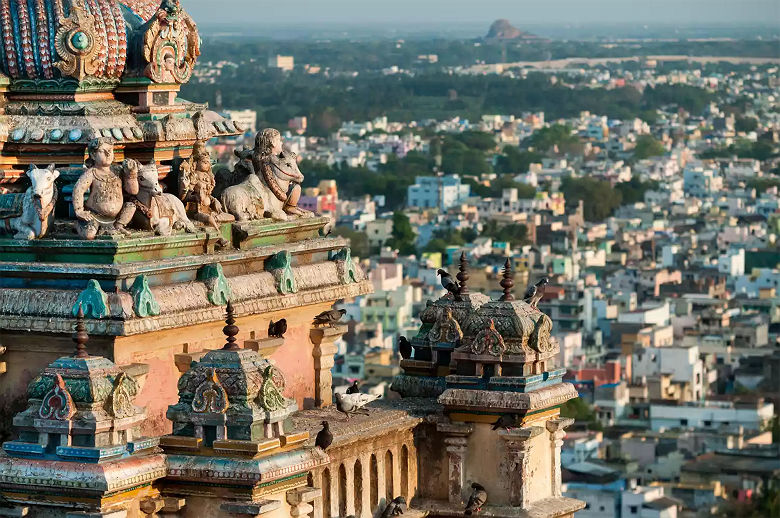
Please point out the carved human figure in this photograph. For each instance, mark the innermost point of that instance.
(196, 185)
(278, 168)
(108, 207)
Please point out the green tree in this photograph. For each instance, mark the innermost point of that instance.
(514, 161)
(647, 146)
(745, 124)
(598, 196)
(403, 235)
(559, 135)
(579, 410)
(358, 240)
(634, 190)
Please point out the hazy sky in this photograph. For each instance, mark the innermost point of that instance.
(348, 12)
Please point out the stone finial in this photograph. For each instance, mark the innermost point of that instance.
(508, 281)
(463, 274)
(230, 330)
(80, 337)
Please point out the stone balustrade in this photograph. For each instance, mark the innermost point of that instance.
(373, 459)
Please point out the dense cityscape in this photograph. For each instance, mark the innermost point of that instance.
(656, 221)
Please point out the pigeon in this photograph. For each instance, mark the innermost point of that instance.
(396, 507)
(324, 437)
(354, 403)
(505, 421)
(404, 347)
(476, 500)
(277, 329)
(447, 283)
(353, 389)
(330, 317)
(535, 293)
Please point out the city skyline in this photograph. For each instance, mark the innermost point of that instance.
(437, 12)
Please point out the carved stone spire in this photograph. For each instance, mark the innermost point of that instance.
(80, 337)
(463, 274)
(230, 330)
(507, 282)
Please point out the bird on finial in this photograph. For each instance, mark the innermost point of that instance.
(507, 282)
(80, 337)
(230, 330)
(463, 274)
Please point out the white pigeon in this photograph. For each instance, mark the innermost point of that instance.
(354, 403)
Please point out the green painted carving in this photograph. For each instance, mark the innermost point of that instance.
(144, 303)
(93, 301)
(347, 272)
(219, 290)
(281, 265)
(270, 397)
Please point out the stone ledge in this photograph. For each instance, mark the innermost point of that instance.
(251, 508)
(554, 507)
(495, 401)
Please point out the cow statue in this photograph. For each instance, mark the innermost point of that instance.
(30, 215)
(156, 210)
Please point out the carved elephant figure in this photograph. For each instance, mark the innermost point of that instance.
(245, 200)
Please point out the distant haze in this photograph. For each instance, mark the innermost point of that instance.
(437, 13)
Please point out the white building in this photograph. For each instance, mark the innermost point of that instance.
(701, 182)
(710, 415)
(681, 362)
(286, 63)
(440, 192)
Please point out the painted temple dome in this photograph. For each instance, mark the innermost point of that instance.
(89, 399)
(233, 389)
(97, 40)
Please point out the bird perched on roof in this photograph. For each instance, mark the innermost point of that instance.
(476, 500)
(324, 437)
(535, 293)
(354, 403)
(404, 347)
(505, 421)
(353, 389)
(396, 507)
(330, 317)
(277, 329)
(447, 283)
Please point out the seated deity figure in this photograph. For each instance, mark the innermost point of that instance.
(196, 186)
(278, 168)
(108, 208)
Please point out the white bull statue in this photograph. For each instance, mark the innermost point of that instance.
(30, 215)
(157, 210)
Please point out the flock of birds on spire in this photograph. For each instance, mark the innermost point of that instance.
(352, 401)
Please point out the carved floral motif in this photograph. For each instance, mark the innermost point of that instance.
(120, 403)
(270, 397)
(490, 340)
(210, 396)
(446, 328)
(76, 44)
(171, 45)
(57, 404)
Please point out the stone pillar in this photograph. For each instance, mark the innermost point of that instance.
(301, 500)
(396, 451)
(349, 467)
(381, 482)
(365, 476)
(518, 444)
(323, 339)
(456, 440)
(556, 428)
